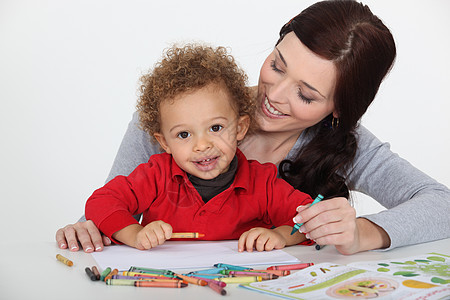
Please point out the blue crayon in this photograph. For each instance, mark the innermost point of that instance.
(232, 267)
(209, 271)
(297, 226)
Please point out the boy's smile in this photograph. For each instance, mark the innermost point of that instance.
(201, 130)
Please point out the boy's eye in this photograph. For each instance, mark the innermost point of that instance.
(183, 135)
(216, 128)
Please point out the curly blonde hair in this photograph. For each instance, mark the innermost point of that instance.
(185, 70)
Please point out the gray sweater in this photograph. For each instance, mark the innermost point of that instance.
(417, 206)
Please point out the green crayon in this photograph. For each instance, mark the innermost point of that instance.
(105, 273)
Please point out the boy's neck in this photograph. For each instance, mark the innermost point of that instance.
(209, 188)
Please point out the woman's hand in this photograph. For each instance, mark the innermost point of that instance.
(334, 222)
(86, 233)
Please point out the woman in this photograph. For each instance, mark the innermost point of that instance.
(313, 89)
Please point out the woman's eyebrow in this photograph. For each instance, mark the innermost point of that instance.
(281, 57)
(305, 83)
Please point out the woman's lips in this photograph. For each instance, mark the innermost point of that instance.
(269, 110)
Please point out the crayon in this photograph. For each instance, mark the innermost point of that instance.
(127, 273)
(297, 226)
(96, 272)
(209, 276)
(175, 284)
(64, 260)
(291, 267)
(149, 270)
(136, 277)
(231, 267)
(217, 288)
(132, 282)
(196, 281)
(242, 279)
(113, 272)
(208, 271)
(187, 235)
(219, 283)
(90, 274)
(105, 273)
(318, 247)
(264, 276)
(275, 272)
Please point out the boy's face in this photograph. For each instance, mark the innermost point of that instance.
(201, 130)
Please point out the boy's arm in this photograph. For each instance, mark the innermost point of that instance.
(128, 234)
(285, 232)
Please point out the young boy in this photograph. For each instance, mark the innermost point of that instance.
(196, 105)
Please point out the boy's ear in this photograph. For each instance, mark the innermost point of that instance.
(162, 142)
(242, 127)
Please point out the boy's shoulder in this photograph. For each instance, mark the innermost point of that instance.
(254, 166)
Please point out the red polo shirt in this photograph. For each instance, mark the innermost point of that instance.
(160, 190)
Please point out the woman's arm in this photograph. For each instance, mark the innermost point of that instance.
(136, 148)
(417, 205)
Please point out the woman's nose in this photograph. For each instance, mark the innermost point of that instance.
(279, 90)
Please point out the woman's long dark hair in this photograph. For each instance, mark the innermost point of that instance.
(363, 51)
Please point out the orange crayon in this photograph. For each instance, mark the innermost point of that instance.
(174, 284)
(197, 281)
(187, 235)
(64, 260)
(110, 275)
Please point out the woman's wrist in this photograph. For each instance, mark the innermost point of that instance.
(371, 236)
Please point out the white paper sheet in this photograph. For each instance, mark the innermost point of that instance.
(187, 255)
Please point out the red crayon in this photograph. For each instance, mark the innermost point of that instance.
(217, 288)
(291, 267)
(175, 284)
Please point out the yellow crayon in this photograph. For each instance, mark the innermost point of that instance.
(64, 260)
(187, 235)
(241, 279)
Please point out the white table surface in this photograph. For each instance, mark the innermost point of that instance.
(31, 271)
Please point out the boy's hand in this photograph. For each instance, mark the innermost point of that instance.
(152, 235)
(261, 239)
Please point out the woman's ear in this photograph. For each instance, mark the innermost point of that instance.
(162, 142)
(242, 127)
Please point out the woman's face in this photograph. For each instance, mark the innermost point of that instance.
(295, 89)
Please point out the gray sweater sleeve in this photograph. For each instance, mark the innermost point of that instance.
(417, 206)
(135, 149)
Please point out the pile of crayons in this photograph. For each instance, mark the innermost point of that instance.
(215, 278)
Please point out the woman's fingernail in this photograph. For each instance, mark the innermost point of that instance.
(307, 236)
(98, 248)
(298, 219)
(300, 206)
(108, 240)
(73, 248)
(88, 249)
(62, 246)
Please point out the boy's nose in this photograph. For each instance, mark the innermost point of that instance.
(202, 144)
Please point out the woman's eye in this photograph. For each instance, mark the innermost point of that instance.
(304, 98)
(274, 67)
(216, 128)
(183, 135)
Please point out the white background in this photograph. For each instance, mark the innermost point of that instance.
(69, 76)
